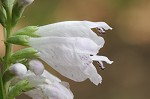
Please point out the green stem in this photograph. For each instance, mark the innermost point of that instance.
(8, 50)
(2, 94)
(8, 46)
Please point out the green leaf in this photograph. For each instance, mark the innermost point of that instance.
(16, 13)
(19, 40)
(26, 53)
(2, 18)
(2, 95)
(7, 76)
(18, 10)
(18, 89)
(8, 4)
(29, 31)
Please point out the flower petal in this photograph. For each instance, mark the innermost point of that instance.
(73, 29)
(102, 25)
(36, 66)
(101, 58)
(76, 44)
(68, 56)
(91, 73)
(50, 77)
(52, 91)
(46, 86)
(18, 69)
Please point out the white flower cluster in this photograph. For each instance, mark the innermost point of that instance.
(70, 48)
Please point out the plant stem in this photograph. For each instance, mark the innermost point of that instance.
(2, 95)
(8, 50)
(7, 33)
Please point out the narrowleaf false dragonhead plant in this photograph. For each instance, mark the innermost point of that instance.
(69, 47)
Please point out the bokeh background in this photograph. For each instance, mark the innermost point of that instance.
(128, 44)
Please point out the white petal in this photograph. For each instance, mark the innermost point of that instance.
(97, 24)
(50, 77)
(73, 29)
(77, 44)
(92, 74)
(46, 88)
(36, 66)
(35, 94)
(45, 78)
(57, 91)
(52, 91)
(34, 80)
(69, 57)
(101, 58)
(18, 69)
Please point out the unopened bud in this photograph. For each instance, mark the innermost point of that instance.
(18, 69)
(29, 31)
(24, 3)
(18, 9)
(26, 53)
(2, 18)
(36, 66)
(19, 40)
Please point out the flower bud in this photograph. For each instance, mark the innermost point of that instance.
(19, 88)
(7, 4)
(24, 3)
(29, 31)
(18, 9)
(22, 54)
(2, 18)
(18, 69)
(36, 66)
(19, 40)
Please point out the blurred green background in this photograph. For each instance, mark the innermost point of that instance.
(128, 44)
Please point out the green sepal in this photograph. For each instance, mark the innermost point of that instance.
(18, 89)
(23, 54)
(2, 18)
(8, 4)
(19, 40)
(7, 76)
(29, 31)
(18, 10)
(16, 13)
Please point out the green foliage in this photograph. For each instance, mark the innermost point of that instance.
(121, 4)
(25, 53)
(10, 13)
(29, 31)
(19, 88)
(16, 13)
(2, 95)
(8, 4)
(19, 40)
(2, 18)
(18, 10)
(7, 76)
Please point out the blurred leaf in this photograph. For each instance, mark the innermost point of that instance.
(119, 4)
(42, 14)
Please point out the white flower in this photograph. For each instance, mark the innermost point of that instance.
(75, 29)
(70, 48)
(46, 86)
(18, 69)
(36, 66)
